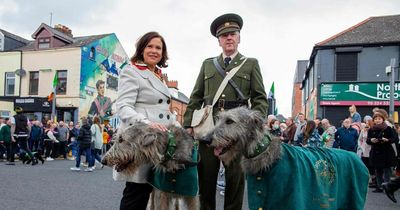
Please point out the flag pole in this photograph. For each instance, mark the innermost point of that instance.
(53, 106)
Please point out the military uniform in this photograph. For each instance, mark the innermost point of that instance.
(250, 83)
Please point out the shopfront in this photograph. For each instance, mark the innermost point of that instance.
(34, 107)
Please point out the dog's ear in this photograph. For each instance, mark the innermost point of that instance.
(149, 139)
(255, 119)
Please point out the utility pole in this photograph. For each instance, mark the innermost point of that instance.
(51, 18)
(390, 71)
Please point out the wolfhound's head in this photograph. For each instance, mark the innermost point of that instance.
(236, 131)
(139, 144)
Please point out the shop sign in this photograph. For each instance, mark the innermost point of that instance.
(358, 93)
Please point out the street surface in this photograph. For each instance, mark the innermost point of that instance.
(53, 186)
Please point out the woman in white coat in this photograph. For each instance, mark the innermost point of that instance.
(143, 96)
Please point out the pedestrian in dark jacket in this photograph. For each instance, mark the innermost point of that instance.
(346, 137)
(289, 132)
(84, 140)
(382, 155)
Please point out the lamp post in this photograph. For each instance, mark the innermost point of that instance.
(390, 72)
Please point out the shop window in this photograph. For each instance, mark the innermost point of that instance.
(346, 66)
(62, 82)
(44, 43)
(10, 84)
(33, 83)
(5, 114)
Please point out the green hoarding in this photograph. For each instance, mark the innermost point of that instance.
(357, 93)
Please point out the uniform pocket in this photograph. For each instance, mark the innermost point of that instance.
(243, 82)
(209, 83)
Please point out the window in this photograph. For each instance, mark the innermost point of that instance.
(346, 66)
(33, 82)
(62, 82)
(10, 84)
(5, 114)
(92, 53)
(44, 43)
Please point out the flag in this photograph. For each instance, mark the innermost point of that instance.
(276, 111)
(271, 93)
(55, 80)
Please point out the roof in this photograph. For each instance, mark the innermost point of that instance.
(300, 70)
(54, 31)
(77, 42)
(13, 36)
(373, 30)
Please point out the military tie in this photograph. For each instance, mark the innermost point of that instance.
(226, 61)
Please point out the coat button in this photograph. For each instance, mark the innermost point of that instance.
(172, 191)
(167, 116)
(259, 178)
(223, 95)
(168, 101)
(259, 192)
(173, 180)
(160, 101)
(161, 116)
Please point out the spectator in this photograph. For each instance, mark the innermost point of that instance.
(97, 141)
(346, 137)
(63, 133)
(84, 140)
(289, 132)
(49, 140)
(73, 134)
(35, 136)
(382, 155)
(309, 137)
(9, 143)
(363, 151)
(274, 128)
(318, 125)
(300, 123)
(328, 136)
(355, 116)
(269, 119)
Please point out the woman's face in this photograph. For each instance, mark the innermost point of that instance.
(152, 53)
(378, 120)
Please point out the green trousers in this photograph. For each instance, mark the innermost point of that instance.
(208, 174)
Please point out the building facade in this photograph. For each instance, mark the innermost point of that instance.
(349, 69)
(297, 99)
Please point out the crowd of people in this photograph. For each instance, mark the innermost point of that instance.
(375, 139)
(51, 140)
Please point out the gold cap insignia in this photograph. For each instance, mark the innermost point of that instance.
(227, 24)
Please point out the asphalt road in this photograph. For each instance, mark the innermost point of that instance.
(53, 186)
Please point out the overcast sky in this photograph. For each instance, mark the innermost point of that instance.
(277, 33)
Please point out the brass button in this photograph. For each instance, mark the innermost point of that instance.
(259, 178)
(223, 95)
(173, 180)
(259, 192)
(172, 191)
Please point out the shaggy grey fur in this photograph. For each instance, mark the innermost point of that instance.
(138, 144)
(237, 132)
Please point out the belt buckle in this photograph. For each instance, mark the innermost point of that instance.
(221, 104)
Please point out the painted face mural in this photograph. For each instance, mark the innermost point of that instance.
(101, 62)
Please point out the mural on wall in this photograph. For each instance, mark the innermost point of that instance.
(101, 62)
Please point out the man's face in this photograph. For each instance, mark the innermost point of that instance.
(71, 124)
(8, 122)
(301, 118)
(61, 123)
(346, 123)
(325, 124)
(100, 90)
(229, 42)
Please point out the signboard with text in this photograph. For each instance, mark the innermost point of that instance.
(358, 93)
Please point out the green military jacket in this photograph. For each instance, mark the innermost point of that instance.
(248, 79)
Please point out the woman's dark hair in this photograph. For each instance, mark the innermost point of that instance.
(141, 45)
(310, 127)
(271, 123)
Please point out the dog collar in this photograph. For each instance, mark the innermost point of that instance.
(261, 147)
(171, 147)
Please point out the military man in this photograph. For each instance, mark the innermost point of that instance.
(249, 82)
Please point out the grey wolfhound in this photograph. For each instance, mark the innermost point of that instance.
(281, 176)
(170, 153)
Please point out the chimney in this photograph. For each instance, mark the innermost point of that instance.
(63, 29)
(173, 84)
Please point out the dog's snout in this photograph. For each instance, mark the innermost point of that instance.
(207, 139)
